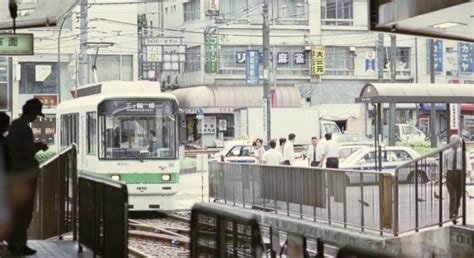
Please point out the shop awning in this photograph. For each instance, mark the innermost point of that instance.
(338, 112)
(234, 97)
(416, 93)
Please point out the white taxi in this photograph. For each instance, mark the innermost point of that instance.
(392, 157)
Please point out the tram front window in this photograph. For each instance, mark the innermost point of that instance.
(138, 129)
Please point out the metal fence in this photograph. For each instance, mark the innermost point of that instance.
(55, 210)
(430, 184)
(103, 216)
(349, 198)
(220, 233)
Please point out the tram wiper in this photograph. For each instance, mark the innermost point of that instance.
(137, 156)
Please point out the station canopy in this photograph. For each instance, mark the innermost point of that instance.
(234, 96)
(448, 19)
(416, 93)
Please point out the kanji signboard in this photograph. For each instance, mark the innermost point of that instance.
(252, 66)
(438, 55)
(466, 57)
(16, 44)
(212, 52)
(317, 57)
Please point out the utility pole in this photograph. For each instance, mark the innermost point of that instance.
(378, 108)
(83, 60)
(266, 72)
(393, 74)
(433, 138)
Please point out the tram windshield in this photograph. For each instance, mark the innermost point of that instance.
(137, 129)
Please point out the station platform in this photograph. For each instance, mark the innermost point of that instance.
(51, 248)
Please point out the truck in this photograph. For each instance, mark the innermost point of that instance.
(303, 122)
(406, 133)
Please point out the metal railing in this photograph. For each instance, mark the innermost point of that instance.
(220, 233)
(103, 216)
(424, 199)
(349, 198)
(55, 210)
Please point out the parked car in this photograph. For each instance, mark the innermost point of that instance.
(346, 150)
(235, 151)
(392, 157)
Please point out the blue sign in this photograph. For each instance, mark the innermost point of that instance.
(199, 112)
(240, 57)
(370, 65)
(438, 55)
(300, 58)
(466, 57)
(252, 66)
(283, 58)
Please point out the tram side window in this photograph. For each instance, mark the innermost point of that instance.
(69, 130)
(92, 133)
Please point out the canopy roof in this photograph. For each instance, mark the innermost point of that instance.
(416, 93)
(234, 96)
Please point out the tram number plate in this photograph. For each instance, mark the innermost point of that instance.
(141, 188)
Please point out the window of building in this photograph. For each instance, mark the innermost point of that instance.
(403, 60)
(290, 12)
(40, 78)
(92, 133)
(69, 130)
(112, 67)
(192, 10)
(337, 12)
(339, 61)
(193, 59)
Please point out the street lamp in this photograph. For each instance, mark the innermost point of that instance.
(58, 66)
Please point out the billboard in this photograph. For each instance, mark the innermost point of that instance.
(252, 66)
(317, 57)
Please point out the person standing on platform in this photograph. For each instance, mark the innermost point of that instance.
(272, 156)
(4, 197)
(281, 147)
(289, 151)
(452, 160)
(314, 153)
(24, 169)
(330, 152)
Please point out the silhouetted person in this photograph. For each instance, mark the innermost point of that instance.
(4, 199)
(25, 169)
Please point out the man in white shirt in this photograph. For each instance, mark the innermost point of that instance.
(289, 152)
(314, 153)
(330, 152)
(258, 150)
(452, 161)
(272, 156)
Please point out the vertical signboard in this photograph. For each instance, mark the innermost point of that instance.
(454, 116)
(212, 8)
(212, 50)
(4, 84)
(370, 62)
(438, 55)
(317, 57)
(466, 57)
(252, 66)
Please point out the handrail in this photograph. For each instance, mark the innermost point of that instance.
(103, 216)
(55, 211)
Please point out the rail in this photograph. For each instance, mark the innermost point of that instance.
(103, 216)
(55, 210)
(353, 199)
(427, 194)
(219, 233)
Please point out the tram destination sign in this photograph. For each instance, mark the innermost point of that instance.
(16, 44)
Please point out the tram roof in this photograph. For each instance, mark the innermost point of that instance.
(416, 93)
(234, 96)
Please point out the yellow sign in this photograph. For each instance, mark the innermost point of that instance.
(317, 58)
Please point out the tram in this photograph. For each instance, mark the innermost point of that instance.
(126, 131)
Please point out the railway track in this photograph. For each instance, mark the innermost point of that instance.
(168, 235)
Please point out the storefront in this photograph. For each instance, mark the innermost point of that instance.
(218, 104)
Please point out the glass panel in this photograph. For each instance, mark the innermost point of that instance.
(139, 129)
(92, 133)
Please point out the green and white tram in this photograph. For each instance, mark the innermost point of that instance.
(126, 131)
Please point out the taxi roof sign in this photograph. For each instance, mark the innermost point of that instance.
(16, 44)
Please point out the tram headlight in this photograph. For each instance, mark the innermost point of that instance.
(166, 177)
(115, 177)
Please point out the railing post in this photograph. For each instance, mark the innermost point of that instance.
(74, 193)
(287, 192)
(344, 200)
(243, 186)
(440, 221)
(416, 196)
(362, 201)
(328, 181)
(396, 226)
(463, 180)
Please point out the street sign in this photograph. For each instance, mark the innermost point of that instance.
(199, 113)
(16, 44)
(317, 57)
(252, 66)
